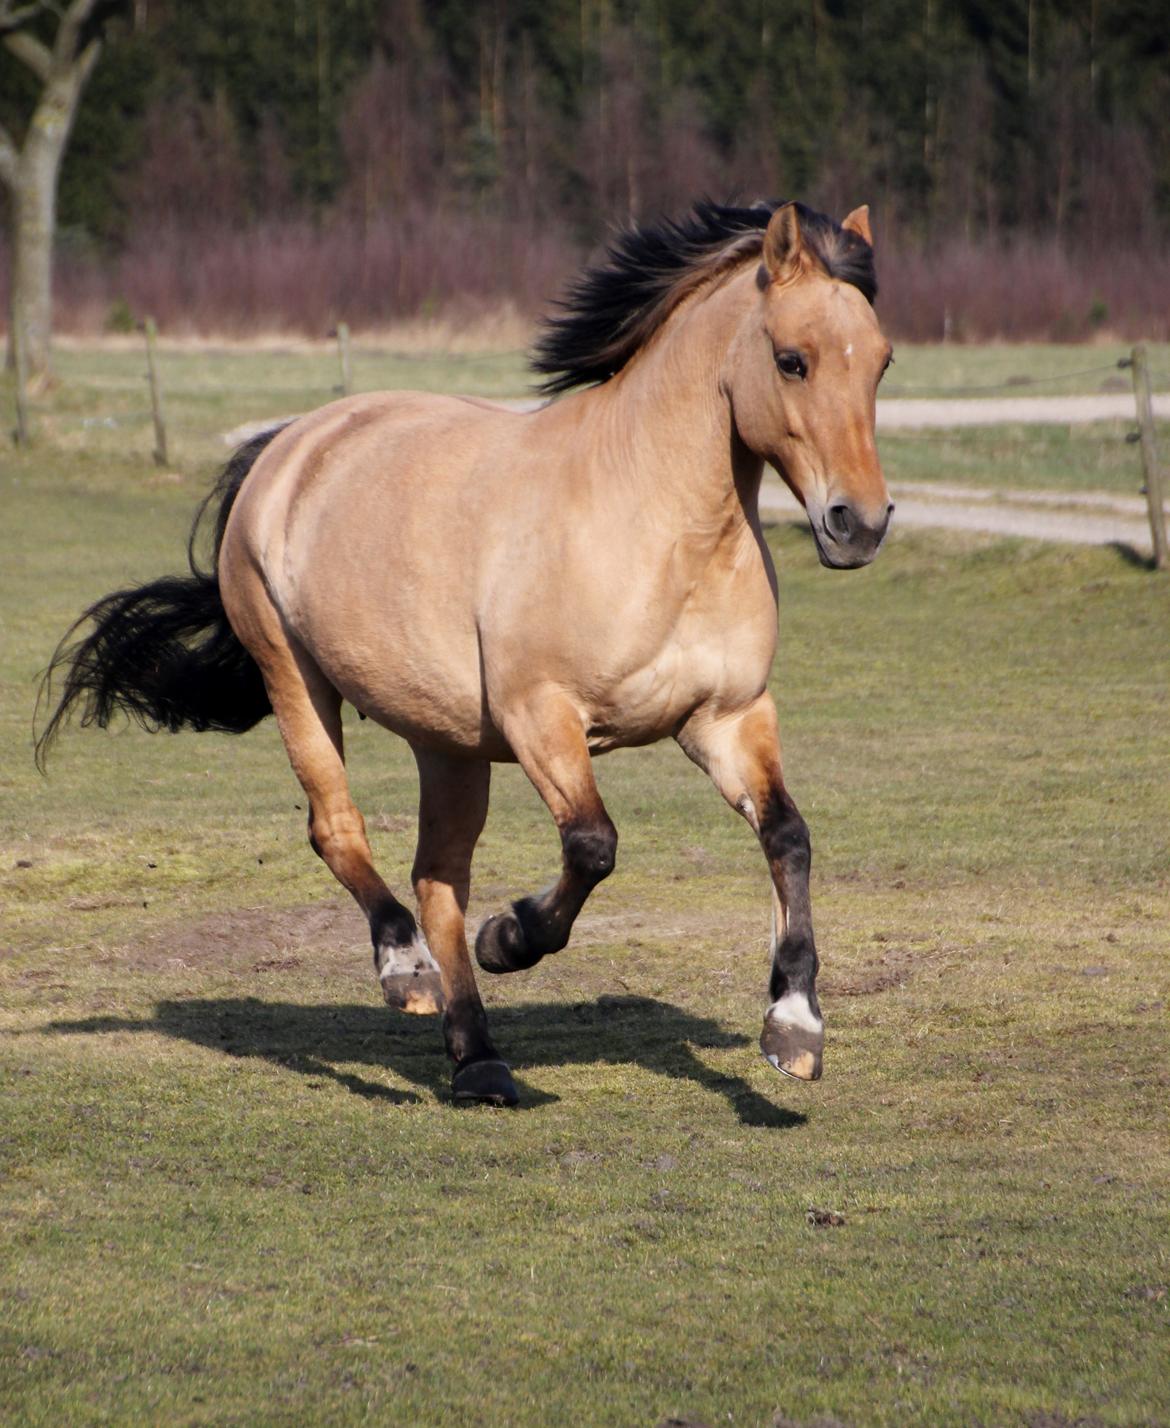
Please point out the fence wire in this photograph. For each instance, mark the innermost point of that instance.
(1013, 383)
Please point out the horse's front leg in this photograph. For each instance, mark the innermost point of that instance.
(741, 753)
(545, 733)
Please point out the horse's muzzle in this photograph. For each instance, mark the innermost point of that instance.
(846, 539)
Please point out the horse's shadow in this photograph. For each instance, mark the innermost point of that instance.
(319, 1040)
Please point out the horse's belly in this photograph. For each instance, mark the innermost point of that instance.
(434, 704)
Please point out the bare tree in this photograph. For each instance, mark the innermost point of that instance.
(31, 169)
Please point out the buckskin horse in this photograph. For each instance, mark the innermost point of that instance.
(538, 587)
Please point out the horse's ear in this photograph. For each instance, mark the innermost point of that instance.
(858, 222)
(783, 245)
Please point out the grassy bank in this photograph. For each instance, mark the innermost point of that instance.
(233, 1189)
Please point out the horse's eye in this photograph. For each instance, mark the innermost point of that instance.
(791, 364)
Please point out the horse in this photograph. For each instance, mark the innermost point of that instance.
(538, 587)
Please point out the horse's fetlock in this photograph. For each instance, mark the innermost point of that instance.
(794, 967)
(465, 1030)
(392, 926)
(544, 929)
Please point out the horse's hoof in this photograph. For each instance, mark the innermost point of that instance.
(793, 1039)
(500, 945)
(420, 993)
(485, 1083)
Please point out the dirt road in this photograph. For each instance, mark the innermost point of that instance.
(1089, 519)
(905, 413)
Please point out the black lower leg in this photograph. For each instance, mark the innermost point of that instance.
(480, 1076)
(793, 1037)
(465, 1031)
(784, 835)
(391, 926)
(537, 926)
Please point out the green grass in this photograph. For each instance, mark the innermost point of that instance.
(233, 1190)
(1019, 369)
(1091, 457)
(102, 404)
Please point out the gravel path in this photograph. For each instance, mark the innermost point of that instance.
(904, 413)
(1090, 518)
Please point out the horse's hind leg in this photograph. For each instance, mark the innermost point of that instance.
(308, 711)
(453, 801)
(547, 738)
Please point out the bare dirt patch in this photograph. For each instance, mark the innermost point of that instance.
(331, 935)
(892, 968)
(254, 939)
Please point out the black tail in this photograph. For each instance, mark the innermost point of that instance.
(164, 652)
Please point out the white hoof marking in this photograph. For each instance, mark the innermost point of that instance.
(406, 961)
(793, 1010)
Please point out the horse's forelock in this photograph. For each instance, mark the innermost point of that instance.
(843, 254)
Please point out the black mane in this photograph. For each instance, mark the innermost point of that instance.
(613, 309)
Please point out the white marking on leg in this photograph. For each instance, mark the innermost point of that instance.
(745, 806)
(779, 921)
(414, 958)
(793, 1010)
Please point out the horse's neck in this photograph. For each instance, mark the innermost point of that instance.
(665, 422)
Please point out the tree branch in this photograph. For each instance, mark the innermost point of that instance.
(29, 50)
(89, 57)
(70, 33)
(9, 159)
(13, 16)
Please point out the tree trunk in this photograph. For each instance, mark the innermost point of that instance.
(34, 203)
(32, 191)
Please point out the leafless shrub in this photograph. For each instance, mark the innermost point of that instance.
(301, 276)
(1024, 289)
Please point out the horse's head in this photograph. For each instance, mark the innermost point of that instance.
(803, 375)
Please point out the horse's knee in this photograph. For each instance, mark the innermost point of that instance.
(590, 849)
(784, 834)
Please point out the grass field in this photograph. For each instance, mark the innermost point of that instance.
(1092, 457)
(233, 1190)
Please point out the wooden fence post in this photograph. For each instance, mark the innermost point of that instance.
(20, 374)
(156, 406)
(343, 358)
(1145, 416)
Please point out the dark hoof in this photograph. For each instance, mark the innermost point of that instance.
(485, 1083)
(420, 993)
(500, 945)
(793, 1050)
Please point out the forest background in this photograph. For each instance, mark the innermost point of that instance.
(240, 166)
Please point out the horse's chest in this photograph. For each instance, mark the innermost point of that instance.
(705, 656)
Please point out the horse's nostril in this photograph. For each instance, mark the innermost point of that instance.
(840, 522)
